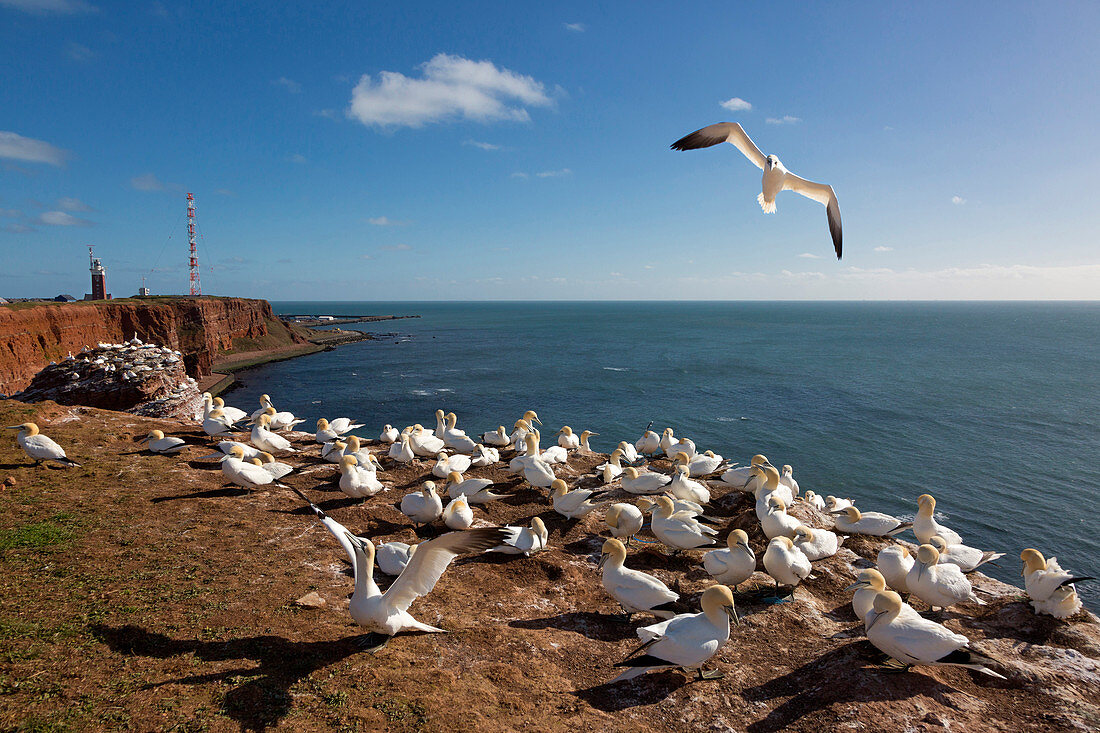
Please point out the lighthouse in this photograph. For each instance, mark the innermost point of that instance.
(99, 278)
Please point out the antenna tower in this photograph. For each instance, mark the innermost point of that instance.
(196, 288)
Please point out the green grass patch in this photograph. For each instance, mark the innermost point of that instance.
(54, 532)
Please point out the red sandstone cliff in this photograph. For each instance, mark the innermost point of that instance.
(31, 336)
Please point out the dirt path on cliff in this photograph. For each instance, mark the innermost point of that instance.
(140, 593)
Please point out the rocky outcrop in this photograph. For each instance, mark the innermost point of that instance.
(202, 329)
(136, 377)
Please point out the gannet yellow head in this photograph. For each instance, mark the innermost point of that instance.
(585, 435)
(267, 457)
(255, 461)
(237, 452)
(565, 430)
(771, 475)
(760, 460)
(787, 469)
(155, 435)
(612, 549)
(851, 513)
(354, 443)
(429, 487)
(927, 555)
(322, 424)
(270, 411)
(532, 442)
(630, 473)
(28, 427)
(682, 470)
(719, 599)
(1033, 560)
(926, 504)
(646, 504)
(439, 415)
(776, 504)
(681, 457)
(938, 542)
(804, 533)
(784, 540)
(664, 505)
(347, 462)
(532, 415)
(263, 399)
(521, 423)
(886, 602)
(219, 402)
(612, 516)
(738, 538)
(539, 527)
(558, 487)
(454, 477)
(869, 578)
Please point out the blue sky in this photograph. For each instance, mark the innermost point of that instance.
(356, 151)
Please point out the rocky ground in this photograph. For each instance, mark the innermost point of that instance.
(140, 593)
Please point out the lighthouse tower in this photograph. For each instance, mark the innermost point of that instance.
(99, 278)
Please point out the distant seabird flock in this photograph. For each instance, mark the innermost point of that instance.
(676, 507)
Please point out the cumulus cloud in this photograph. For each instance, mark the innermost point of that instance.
(62, 219)
(810, 256)
(882, 248)
(48, 7)
(784, 120)
(16, 147)
(481, 145)
(736, 104)
(385, 221)
(451, 87)
(289, 84)
(395, 247)
(958, 200)
(72, 204)
(147, 182)
(575, 27)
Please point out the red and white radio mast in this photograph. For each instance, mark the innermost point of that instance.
(196, 288)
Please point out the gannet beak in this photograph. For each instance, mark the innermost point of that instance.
(603, 559)
(215, 454)
(590, 434)
(538, 421)
(731, 611)
(14, 427)
(854, 586)
(874, 619)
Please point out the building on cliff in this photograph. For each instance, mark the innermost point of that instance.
(99, 279)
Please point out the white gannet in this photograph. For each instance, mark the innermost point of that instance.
(424, 506)
(367, 460)
(157, 443)
(244, 473)
(518, 435)
(440, 424)
(733, 564)
(457, 439)
(636, 592)
(738, 476)
(40, 447)
(765, 485)
(392, 557)
(814, 500)
(424, 444)
(630, 453)
(524, 540)
(498, 438)
(265, 402)
(567, 440)
(687, 489)
(389, 434)
(484, 456)
(785, 563)
(585, 435)
(334, 452)
(679, 530)
(330, 431)
(649, 443)
(899, 631)
(852, 521)
(536, 471)
(968, 559)
(925, 524)
(531, 417)
(282, 420)
(476, 490)
(687, 640)
(401, 451)
(834, 504)
(573, 504)
(787, 479)
(1050, 588)
(895, 562)
(938, 585)
(647, 482)
(668, 439)
(685, 446)
(776, 522)
(268, 441)
(232, 413)
(612, 468)
(776, 177)
(701, 464)
(816, 544)
(277, 469)
(553, 454)
(444, 464)
(387, 613)
(624, 520)
(357, 482)
(216, 425)
(869, 583)
(225, 447)
(458, 514)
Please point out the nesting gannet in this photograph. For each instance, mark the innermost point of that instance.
(476, 490)
(157, 443)
(334, 452)
(895, 562)
(458, 514)
(268, 441)
(899, 631)
(357, 482)
(329, 431)
(679, 530)
(531, 417)
(649, 443)
(392, 557)
(573, 504)
(765, 485)
(776, 177)
(734, 564)
(243, 473)
(524, 540)
(484, 456)
(687, 640)
(869, 583)
(402, 451)
(624, 520)
(553, 454)
(785, 563)
(1049, 587)
(787, 479)
(498, 438)
(646, 482)
(636, 592)
(387, 613)
(277, 469)
(685, 488)
(647, 505)
(938, 585)
(668, 439)
(612, 468)
(776, 522)
(738, 476)
(630, 453)
(440, 424)
(925, 524)
(225, 447)
(444, 464)
(585, 435)
(567, 439)
(816, 544)
(967, 558)
(423, 444)
(852, 521)
(457, 439)
(367, 460)
(519, 433)
(814, 500)
(232, 413)
(216, 425)
(40, 447)
(424, 506)
(265, 402)
(701, 464)
(389, 434)
(282, 420)
(834, 504)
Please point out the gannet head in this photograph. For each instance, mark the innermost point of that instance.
(237, 452)
(667, 432)
(612, 516)
(719, 599)
(869, 578)
(348, 462)
(886, 602)
(927, 505)
(539, 527)
(587, 434)
(739, 538)
(776, 504)
(454, 477)
(452, 419)
(1033, 560)
(760, 460)
(804, 533)
(851, 513)
(681, 457)
(28, 427)
(682, 470)
(322, 424)
(439, 415)
(558, 488)
(255, 461)
(532, 415)
(784, 540)
(353, 443)
(264, 399)
(645, 504)
(938, 542)
(787, 470)
(565, 430)
(664, 505)
(153, 435)
(521, 423)
(630, 473)
(267, 457)
(612, 548)
(429, 488)
(219, 402)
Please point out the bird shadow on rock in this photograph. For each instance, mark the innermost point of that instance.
(595, 626)
(207, 465)
(272, 666)
(11, 466)
(842, 675)
(205, 494)
(649, 689)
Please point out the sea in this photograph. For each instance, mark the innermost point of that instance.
(994, 408)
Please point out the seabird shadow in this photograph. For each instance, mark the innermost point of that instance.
(205, 494)
(265, 698)
(645, 690)
(595, 626)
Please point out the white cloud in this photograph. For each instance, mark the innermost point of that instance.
(784, 120)
(72, 204)
(958, 200)
(555, 174)
(298, 158)
(328, 114)
(16, 228)
(46, 7)
(395, 248)
(224, 192)
(736, 104)
(10, 213)
(575, 27)
(289, 84)
(452, 87)
(80, 52)
(17, 147)
(385, 221)
(520, 174)
(61, 219)
(882, 248)
(366, 257)
(481, 145)
(147, 182)
(810, 256)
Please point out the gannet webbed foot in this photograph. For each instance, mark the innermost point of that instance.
(893, 666)
(373, 641)
(714, 674)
